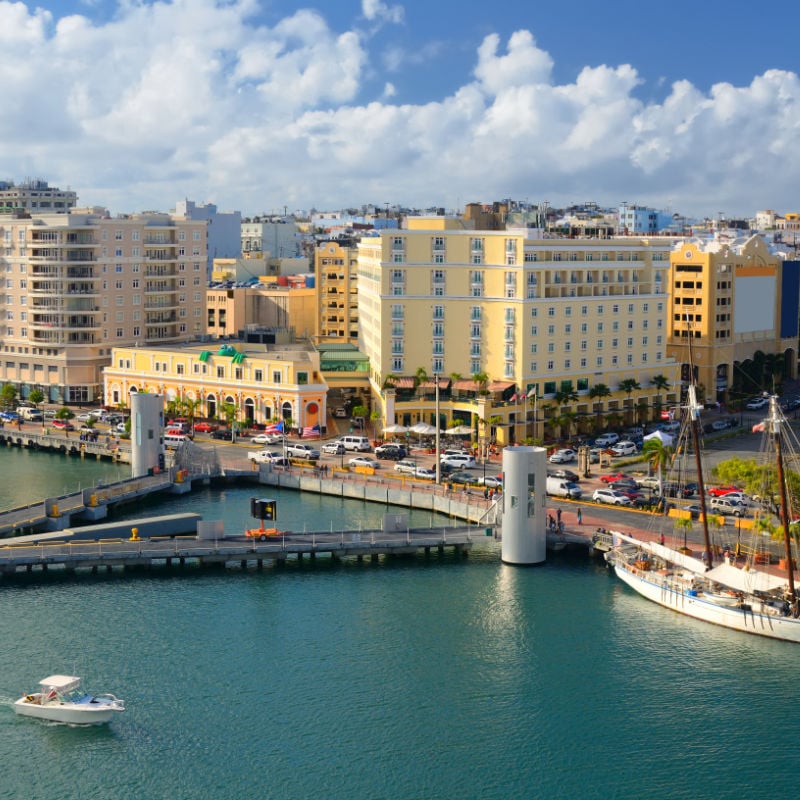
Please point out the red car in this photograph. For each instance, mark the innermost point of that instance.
(614, 477)
(63, 425)
(204, 427)
(719, 491)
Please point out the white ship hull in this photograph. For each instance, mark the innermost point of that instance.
(758, 618)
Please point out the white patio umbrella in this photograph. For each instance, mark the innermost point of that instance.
(395, 429)
(459, 430)
(423, 429)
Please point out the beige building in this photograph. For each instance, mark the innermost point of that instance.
(230, 311)
(79, 283)
(336, 268)
(552, 319)
(732, 300)
(264, 383)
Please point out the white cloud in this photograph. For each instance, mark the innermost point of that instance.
(378, 11)
(196, 98)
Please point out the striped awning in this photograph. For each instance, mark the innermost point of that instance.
(403, 383)
(500, 386)
(431, 383)
(465, 386)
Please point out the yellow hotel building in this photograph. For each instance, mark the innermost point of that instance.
(550, 318)
(729, 301)
(264, 382)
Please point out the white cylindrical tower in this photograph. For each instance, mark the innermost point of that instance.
(524, 526)
(147, 426)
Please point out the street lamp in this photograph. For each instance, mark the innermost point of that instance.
(437, 448)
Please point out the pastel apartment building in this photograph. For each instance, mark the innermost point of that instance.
(78, 283)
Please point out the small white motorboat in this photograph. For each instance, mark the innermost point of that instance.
(61, 699)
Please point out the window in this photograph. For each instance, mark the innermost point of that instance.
(277, 376)
(550, 364)
(534, 330)
(534, 348)
(551, 311)
(551, 329)
(551, 347)
(258, 375)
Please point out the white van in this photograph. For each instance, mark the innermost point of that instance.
(561, 487)
(173, 438)
(606, 439)
(30, 414)
(359, 443)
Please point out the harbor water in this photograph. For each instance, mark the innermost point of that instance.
(408, 679)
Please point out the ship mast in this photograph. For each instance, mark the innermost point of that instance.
(693, 410)
(775, 422)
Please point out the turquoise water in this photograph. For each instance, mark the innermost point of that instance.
(409, 679)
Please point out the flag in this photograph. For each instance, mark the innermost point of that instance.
(758, 428)
(311, 432)
(277, 428)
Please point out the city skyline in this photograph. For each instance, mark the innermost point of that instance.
(257, 106)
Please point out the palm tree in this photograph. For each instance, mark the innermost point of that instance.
(599, 392)
(658, 455)
(629, 385)
(420, 376)
(481, 380)
(389, 381)
(564, 396)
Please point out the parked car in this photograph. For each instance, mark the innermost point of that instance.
(722, 505)
(719, 491)
(333, 448)
(563, 456)
(610, 497)
(606, 440)
(459, 462)
(648, 482)
(757, 403)
(490, 481)
(406, 466)
(465, 478)
(624, 449)
(266, 438)
(300, 450)
(63, 425)
(9, 416)
(204, 427)
(739, 496)
(426, 473)
(722, 424)
(568, 474)
(364, 461)
(391, 451)
(222, 433)
(614, 476)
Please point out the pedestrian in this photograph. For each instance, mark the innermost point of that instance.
(558, 517)
(661, 540)
(580, 517)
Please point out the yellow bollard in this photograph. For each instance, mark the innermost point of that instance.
(134, 535)
(93, 501)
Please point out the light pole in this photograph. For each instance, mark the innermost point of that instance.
(437, 448)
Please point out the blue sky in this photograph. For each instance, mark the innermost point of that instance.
(257, 104)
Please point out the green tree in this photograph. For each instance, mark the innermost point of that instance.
(8, 396)
(36, 396)
(629, 386)
(374, 418)
(660, 383)
(481, 380)
(360, 412)
(597, 393)
(658, 455)
(564, 396)
(64, 413)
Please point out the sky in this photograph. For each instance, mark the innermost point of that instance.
(261, 105)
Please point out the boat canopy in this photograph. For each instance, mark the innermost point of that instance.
(745, 580)
(667, 553)
(60, 682)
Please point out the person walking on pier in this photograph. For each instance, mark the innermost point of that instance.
(580, 517)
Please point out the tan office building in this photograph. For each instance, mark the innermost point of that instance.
(548, 318)
(79, 283)
(336, 268)
(731, 301)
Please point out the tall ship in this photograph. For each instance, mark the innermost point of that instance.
(732, 587)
